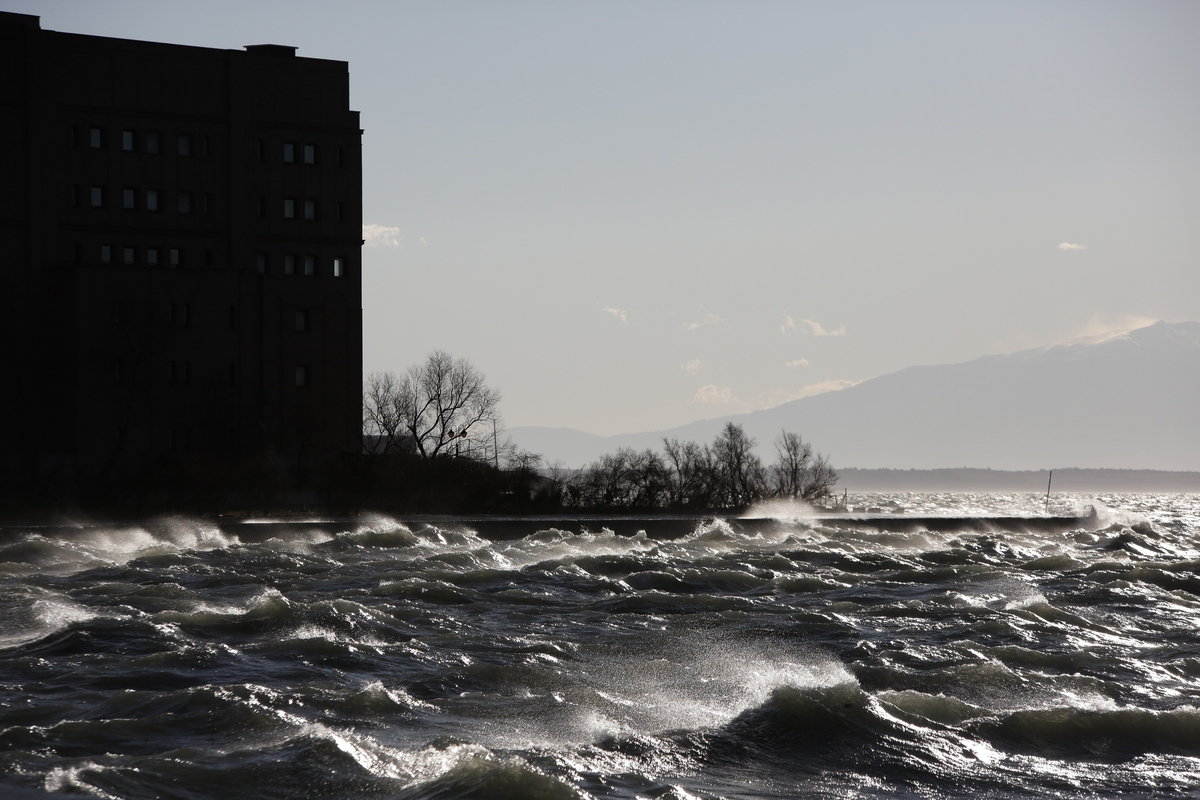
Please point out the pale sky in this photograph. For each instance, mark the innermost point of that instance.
(632, 215)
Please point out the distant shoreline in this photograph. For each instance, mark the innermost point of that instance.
(966, 479)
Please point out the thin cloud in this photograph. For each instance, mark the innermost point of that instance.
(709, 319)
(799, 362)
(788, 326)
(816, 330)
(381, 236)
(1071, 246)
(713, 394)
(691, 367)
(618, 313)
(781, 396)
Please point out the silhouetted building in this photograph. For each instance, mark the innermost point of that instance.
(180, 241)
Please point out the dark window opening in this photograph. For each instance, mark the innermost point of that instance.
(339, 267)
(97, 197)
(310, 209)
(106, 254)
(128, 254)
(152, 143)
(310, 154)
(341, 156)
(302, 321)
(341, 210)
(289, 153)
(289, 209)
(262, 151)
(152, 256)
(185, 202)
(176, 257)
(289, 265)
(127, 141)
(152, 199)
(185, 144)
(310, 265)
(96, 138)
(205, 146)
(301, 376)
(262, 207)
(129, 199)
(262, 263)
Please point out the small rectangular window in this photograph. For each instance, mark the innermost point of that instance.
(310, 154)
(262, 151)
(152, 143)
(152, 256)
(310, 209)
(176, 257)
(339, 267)
(128, 254)
(205, 146)
(185, 144)
(289, 265)
(310, 265)
(289, 153)
(106, 254)
(302, 321)
(128, 199)
(341, 156)
(97, 197)
(96, 138)
(185, 202)
(152, 199)
(261, 263)
(302, 376)
(341, 210)
(127, 141)
(289, 209)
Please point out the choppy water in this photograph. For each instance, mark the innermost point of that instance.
(381, 661)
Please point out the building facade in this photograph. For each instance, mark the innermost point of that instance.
(180, 255)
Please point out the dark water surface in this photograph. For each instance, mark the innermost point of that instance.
(379, 661)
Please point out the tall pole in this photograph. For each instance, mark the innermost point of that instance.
(1048, 482)
(495, 447)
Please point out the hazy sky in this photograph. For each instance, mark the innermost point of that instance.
(631, 215)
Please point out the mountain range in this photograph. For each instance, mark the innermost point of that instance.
(1127, 400)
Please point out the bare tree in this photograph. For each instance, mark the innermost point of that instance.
(796, 474)
(742, 478)
(381, 413)
(441, 406)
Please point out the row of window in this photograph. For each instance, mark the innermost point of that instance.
(148, 200)
(151, 142)
(153, 200)
(292, 264)
(302, 265)
(179, 373)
